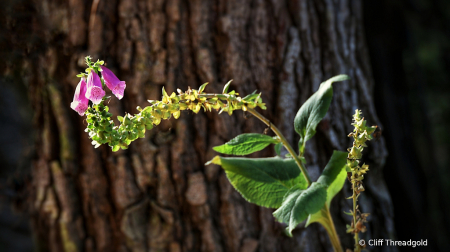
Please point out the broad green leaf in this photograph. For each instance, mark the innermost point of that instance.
(245, 144)
(314, 109)
(320, 217)
(299, 203)
(262, 181)
(333, 176)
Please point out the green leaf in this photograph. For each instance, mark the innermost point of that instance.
(278, 147)
(225, 88)
(120, 118)
(314, 109)
(245, 144)
(202, 87)
(299, 203)
(165, 93)
(250, 97)
(333, 176)
(262, 181)
(349, 213)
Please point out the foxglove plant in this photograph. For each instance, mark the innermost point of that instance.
(276, 182)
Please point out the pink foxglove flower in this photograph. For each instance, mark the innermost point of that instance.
(112, 82)
(94, 91)
(80, 102)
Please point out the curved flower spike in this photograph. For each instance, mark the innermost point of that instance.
(112, 82)
(94, 91)
(80, 102)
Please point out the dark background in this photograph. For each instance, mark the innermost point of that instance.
(409, 45)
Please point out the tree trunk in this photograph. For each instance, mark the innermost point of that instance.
(158, 195)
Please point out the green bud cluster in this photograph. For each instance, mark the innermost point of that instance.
(360, 134)
(102, 129)
(91, 66)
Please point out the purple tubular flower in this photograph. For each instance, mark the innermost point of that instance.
(80, 102)
(112, 82)
(94, 91)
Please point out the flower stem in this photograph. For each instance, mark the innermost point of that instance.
(284, 142)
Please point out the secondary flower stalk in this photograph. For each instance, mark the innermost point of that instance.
(360, 134)
(102, 129)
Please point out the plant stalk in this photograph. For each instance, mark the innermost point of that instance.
(284, 142)
(331, 230)
(355, 199)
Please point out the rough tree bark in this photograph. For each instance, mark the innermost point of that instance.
(158, 195)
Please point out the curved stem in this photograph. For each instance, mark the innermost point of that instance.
(332, 232)
(284, 142)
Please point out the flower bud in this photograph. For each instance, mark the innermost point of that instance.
(112, 82)
(94, 91)
(80, 102)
